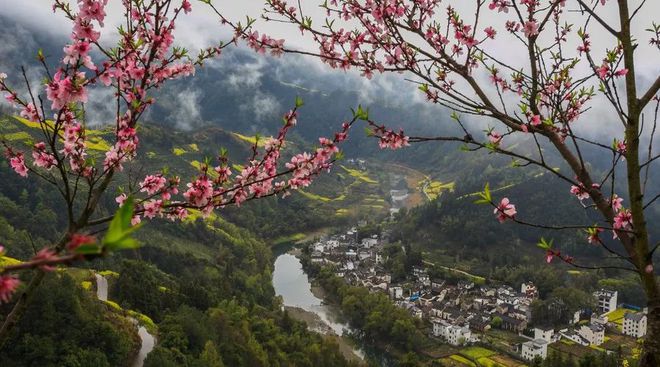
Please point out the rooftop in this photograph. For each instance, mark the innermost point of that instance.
(605, 292)
(536, 343)
(634, 316)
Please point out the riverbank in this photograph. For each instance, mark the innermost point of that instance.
(147, 340)
(318, 291)
(315, 323)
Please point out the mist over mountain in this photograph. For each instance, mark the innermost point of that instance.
(205, 283)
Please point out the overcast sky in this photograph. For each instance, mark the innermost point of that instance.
(202, 28)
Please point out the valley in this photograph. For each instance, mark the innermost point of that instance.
(379, 196)
(346, 183)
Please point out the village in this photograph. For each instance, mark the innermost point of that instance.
(461, 313)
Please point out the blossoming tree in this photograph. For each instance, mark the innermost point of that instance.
(144, 58)
(543, 93)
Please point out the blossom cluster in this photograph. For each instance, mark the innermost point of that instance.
(505, 210)
(389, 139)
(218, 186)
(374, 36)
(144, 58)
(622, 220)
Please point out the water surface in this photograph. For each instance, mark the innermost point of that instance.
(292, 283)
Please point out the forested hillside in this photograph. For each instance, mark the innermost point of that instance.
(204, 285)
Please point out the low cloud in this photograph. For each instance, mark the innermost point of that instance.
(261, 106)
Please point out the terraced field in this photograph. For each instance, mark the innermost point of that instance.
(479, 357)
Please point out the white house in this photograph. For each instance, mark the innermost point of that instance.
(416, 312)
(573, 336)
(545, 334)
(593, 333)
(529, 290)
(418, 271)
(534, 348)
(634, 324)
(369, 242)
(396, 292)
(576, 316)
(457, 335)
(596, 319)
(453, 334)
(319, 247)
(607, 300)
(439, 327)
(317, 257)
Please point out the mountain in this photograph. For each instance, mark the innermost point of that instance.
(206, 283)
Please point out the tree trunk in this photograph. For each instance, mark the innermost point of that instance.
(651, 351)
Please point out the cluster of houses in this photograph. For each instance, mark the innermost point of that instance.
(461, 312)
(468, 308)
(589, 332)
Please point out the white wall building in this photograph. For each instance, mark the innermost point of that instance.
(369, 242)
(593, 333)
(396, 292)
(576, 316)
(574, 336)
(634, 324)
(545, 334)
(534, 348)
(439, 327)
(529, 290)
(607, 300)
(319, 247)
(453, 334)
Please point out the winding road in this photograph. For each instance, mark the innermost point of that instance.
(148, 340)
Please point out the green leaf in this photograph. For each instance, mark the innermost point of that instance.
(545, 245)
(89, 249)
(120, 231)
(361, 114)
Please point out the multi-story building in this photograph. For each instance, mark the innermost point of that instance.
(546, 334)
(396, 292)
(634, 324)
(529, 290)
(534, 348)
(607, 300)
(453, 334)
(593, 333)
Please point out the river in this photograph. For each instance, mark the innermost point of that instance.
(148, 341)
(293, 285)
